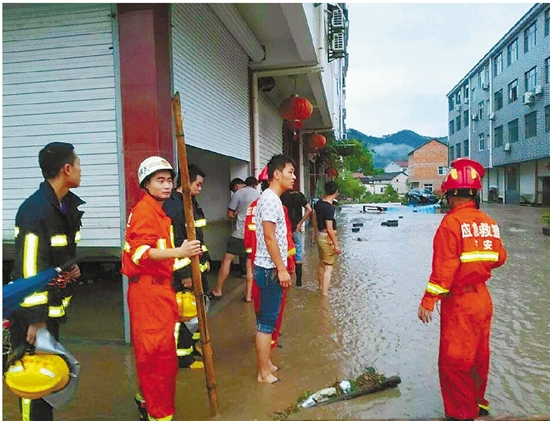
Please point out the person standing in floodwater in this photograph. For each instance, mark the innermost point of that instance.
(467, 246)
(325, 235)
(270, 271)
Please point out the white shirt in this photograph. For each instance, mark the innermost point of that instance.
(270, 209)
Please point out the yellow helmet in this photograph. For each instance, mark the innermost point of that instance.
(38, 375)
(187, 305)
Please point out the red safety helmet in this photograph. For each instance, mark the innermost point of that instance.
(263, 175)
(465, 173)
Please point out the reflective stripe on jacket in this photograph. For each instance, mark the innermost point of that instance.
(466, 247)
(148, 227)
(46, 236)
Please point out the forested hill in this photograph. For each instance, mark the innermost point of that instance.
(392, 147)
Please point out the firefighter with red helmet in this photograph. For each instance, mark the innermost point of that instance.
(148, 259)
(466, 247)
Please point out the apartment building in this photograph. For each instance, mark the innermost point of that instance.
(428, 165)
(499, 113)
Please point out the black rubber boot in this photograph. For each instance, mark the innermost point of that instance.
(298, 274)
(143, 416)
(483, 412)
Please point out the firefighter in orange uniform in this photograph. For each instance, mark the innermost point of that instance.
(148, 259)
(467, 246)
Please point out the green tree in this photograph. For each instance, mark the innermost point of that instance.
(349, 187)
(361, 160)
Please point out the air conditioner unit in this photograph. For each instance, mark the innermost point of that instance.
(338, 20)
(507, 147)
(457, 107)
(538, 90)
(338, 43)
(528, 98)
(473, 116)
(491, 116)
(466, 101)
(485, 86)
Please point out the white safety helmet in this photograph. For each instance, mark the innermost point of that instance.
(151, 165)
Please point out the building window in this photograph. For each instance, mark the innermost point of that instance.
(480, 79)
(498, 136)
(513, 52)
(513, 131)
(498, 99)
(547, 118)
(481, 142)
(531, 79)
(531, 124)
(497, 65)
(458, 123)
(458, 97)
(481, 105)
(466, 94)
(512, 91)
(452, 127)
(441, 170)
(458, 150)
(547, 70)
(530, 37)
(547, 22)
(451, 103)
(451, 153)
(429, 187)
(466, 118)
(466, 148)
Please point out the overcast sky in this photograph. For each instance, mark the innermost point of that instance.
(405, 58)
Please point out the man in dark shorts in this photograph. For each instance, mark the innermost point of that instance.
(241, 199)
(325, 233)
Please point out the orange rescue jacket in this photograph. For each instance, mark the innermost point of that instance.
(466, 247)
(148, 227)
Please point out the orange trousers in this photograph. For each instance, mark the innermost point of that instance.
(464, 351)
(153, 317)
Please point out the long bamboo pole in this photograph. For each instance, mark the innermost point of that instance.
(195, 269)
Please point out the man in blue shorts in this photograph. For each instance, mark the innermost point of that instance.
(294, 201)
(270, 271)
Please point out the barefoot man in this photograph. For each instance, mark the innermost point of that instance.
(270, 272)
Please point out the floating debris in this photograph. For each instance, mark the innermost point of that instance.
(368, 382)
(390, 223)
(355, 229)
(357, 224)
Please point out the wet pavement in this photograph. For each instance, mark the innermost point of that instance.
(369, 319)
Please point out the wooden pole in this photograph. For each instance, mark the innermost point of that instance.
(195, 269)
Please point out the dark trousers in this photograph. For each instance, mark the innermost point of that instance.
(185, 342)
(38, 409)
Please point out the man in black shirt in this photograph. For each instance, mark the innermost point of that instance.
(294, 202)
(325, 233)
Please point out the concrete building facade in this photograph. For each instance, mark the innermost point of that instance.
(101, 76)
(377, 184)
(499, 113)
(428, 165)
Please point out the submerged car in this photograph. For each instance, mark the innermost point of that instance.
(418, 196)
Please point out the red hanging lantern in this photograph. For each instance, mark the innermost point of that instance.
(295, 108)
(316, 141)
(331, 172)
(293, 124)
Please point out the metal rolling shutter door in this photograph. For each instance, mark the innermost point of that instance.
(59, 85)
(210, 71)
(271, 130)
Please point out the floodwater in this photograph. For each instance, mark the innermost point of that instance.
(369, 319)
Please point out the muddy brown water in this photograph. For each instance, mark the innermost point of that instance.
(369, 319)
